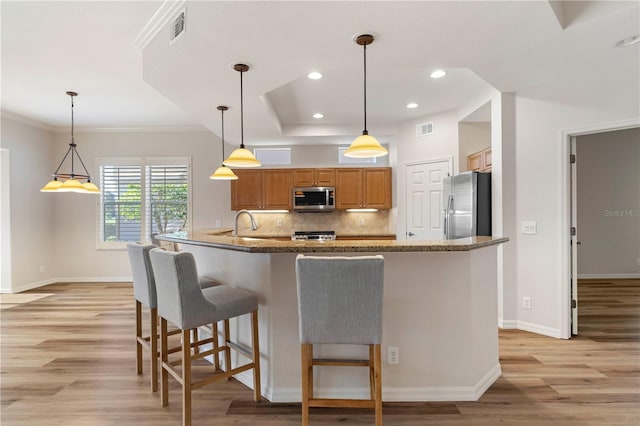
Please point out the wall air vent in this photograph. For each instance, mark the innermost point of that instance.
(178, 26)
(424, 129)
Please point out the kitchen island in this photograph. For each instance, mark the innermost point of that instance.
(440, 311)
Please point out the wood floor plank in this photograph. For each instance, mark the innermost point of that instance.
(67, 357)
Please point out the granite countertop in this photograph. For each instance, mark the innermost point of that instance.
(256, 243)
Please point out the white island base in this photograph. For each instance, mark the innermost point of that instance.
(440, 311)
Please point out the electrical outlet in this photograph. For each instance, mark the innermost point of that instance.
(393, 355)
(526, 302)
(279, 222)
(363, 221)
(218, 223)
(42, 268)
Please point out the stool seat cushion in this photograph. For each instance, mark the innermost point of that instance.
(230, 302)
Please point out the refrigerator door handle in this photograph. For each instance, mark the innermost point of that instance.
(447, 217)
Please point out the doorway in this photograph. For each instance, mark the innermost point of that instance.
(604, 208)
(424, 188)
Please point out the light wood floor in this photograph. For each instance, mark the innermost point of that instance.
(68, 358)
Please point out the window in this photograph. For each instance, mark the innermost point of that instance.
(141, 198)
(349, 160)
(273, 156)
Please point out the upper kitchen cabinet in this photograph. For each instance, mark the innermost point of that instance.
(268, 189)
(358, 188)
(314, 177)
(480, 161)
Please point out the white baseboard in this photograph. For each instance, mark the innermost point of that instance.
(539, 329)
(31, 286)
(507, 324)
(454, 393)
(608, 276)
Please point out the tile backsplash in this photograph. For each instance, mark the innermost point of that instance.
(344, 223)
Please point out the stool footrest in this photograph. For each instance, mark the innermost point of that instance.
(221, 376)
(341, 362)
(335, 402)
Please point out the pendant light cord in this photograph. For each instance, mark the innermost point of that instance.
(365, 132)
(241, 113)
(222, 110)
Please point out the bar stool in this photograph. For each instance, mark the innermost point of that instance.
(144, 291)
(340, 302)
(182, 302)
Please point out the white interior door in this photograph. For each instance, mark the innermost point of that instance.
(424, 199)
(574, 240)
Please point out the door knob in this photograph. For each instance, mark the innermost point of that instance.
(411, 234)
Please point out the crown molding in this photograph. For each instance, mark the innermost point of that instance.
(158, 21)
(26, 120)
(140, 129)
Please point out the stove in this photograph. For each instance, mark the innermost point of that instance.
(314, 235)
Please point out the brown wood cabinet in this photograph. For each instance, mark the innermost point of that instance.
(368, 187)
(271, 189)
(314, 177)
(480, 161)
(268, 189)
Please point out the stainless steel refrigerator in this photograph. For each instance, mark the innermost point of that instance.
(467, 201)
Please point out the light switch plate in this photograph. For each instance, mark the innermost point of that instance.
(529, 227)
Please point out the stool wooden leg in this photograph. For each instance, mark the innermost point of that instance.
(196, 348)
(186, 378)
(138, 336)
(164, 353)
(227, 351)
(216, 344)
(378, 383)
(153, 341)
(305, 350)
(256, 356)
(372, 372)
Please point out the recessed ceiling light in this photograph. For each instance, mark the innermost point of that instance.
(412, 105)
(438, 74)
(314, 75)
(629, 41)
(318, 115)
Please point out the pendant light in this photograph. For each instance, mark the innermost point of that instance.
(241, 157)
(73, 180)
(223, 172)
(365, 145)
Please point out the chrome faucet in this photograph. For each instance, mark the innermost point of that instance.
(254, 225)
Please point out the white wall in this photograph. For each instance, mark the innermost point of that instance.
(442, 145)
(473, 137)
(608, 168)
(32, 212)
(77, 214)
(542, 188)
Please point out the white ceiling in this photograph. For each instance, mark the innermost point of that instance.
(554, 51)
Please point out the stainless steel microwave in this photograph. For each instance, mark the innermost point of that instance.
(314, 198)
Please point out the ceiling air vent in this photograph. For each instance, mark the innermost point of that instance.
(424, 129)
(178, 26)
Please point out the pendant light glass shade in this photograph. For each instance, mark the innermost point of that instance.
(365, 146)
(73, 180)
(241, 157)
(223, 172)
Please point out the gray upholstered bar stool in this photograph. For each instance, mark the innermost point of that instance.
(144, 291)
(182, 302)
(340, 302)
